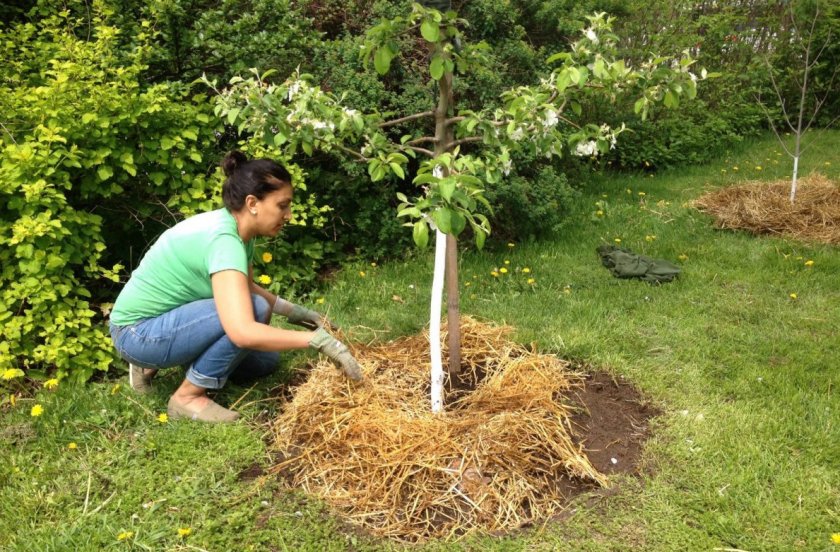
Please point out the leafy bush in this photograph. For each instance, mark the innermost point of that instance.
(529, 207)
(87, 153)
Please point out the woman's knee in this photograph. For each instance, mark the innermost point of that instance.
(262, 310)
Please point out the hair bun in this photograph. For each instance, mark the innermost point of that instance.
(233, 161)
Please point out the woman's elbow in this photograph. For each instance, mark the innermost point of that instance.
(241, 338)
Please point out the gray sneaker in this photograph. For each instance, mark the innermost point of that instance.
(138, 380)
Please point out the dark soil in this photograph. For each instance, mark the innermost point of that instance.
(612, 423)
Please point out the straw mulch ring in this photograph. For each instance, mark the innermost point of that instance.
(765, 208)
(500, 456)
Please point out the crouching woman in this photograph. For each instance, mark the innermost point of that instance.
(193, 300)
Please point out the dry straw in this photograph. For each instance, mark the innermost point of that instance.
(499, 457)
(765, 208)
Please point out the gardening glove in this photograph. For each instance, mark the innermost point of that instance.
(337, 352)
(301, 316)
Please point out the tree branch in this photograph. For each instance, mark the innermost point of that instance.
(773, 125)
(421, 140)
(406, 119)
(453, 120)
(421, 150)
(467, 140)
(353, 153)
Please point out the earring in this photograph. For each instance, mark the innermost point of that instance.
(253, 212)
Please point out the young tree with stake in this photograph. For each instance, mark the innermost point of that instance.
(471, 146)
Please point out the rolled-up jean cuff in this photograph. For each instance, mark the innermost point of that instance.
(207, 382)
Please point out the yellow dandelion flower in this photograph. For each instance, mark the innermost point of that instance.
(162, 417)
(758, 167)
(599, 213)
(494, 274)
(827, 163)
(467, 284)
(793, 296)
(531, 281)
(115, 389)
(809, 263)
(503, 270)
(12, 399)
(683, 257)
(472, 296)
(617, 240)
(266, 257)
(723, 171)
(125, 535)
(835, 538)
(643, 194)
(604, 195)
(511, 245)
(184, 531)
(72, 446)
(526, 270)
(265, 279)
(650, 238)
(11, 373)
(567, 290)
(373, 265)
(51, 383)
(362, 274)
(734, 168)
(320, 300)
(507, 262)
(37, 410)
(629, 191)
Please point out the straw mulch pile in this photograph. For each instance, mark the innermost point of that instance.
(765, 208)
(500, 456)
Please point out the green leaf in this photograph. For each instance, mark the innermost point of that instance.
(640, 103)
(447, 188)
(88, 117)
(402, 197)
(397, 169)
(480, 236)
(157, 178)
(436, 68)
(382, 59)
(105, 172)
(232, 115)
(166, 143)
(443, 219)
(458, 221)
(421, 233)
(430, 30)
(425, 178)
(671, 99)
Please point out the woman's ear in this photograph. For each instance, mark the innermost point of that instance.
(251, 203)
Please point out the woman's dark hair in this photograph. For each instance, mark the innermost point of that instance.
(257, 177)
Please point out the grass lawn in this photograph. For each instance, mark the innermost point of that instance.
(746, 454)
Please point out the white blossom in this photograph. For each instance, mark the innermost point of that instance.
(590, 34)
(517, 135)
(586, 149)
(550, 119)
(294, 89)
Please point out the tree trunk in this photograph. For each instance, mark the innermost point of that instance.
(444, 136)
(434, 322)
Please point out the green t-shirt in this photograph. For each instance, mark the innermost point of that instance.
(177, 268)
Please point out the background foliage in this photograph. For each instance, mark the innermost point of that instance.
(105, 141)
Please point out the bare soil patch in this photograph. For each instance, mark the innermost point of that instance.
(765, 208)
(523, 434)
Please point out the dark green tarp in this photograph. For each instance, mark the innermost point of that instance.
(623, 263)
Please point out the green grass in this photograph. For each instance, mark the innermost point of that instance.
(746, 454)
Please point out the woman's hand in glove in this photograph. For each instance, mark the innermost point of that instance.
(337, 352)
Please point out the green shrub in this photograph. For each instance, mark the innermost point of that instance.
(530, 206)
(87, 154)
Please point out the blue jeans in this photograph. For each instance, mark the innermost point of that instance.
(192, 334)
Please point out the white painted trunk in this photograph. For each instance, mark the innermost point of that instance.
(793, 182)
(434, 322)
